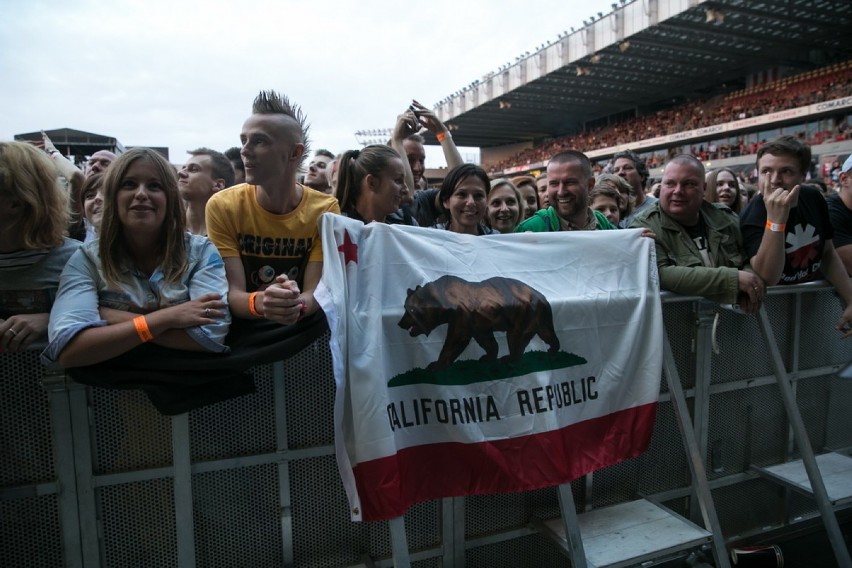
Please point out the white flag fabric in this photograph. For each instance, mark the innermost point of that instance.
(468, 365)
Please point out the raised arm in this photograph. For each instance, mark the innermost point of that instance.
(406, 124)
(433, 124)
(64, 166)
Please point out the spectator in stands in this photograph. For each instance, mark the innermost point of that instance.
(34, 216)
(701, 113)
(99, 162)
(834, 172)
(317, 174)
(840, 214)
(145, 278)
(91, 203)
(529, 194)
(749, 190)
(372, 184)
(821, 185)
(632, 168)
(723, 187)
(266, 229)
(624, 190)
(541, 186)
(505, 206)
(204, 173)
(786, 229)
(463, 200)
(569, 180)
(233, 155)
(699, 245)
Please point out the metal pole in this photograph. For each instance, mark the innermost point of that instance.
(800, 434)
(694, 458)
(82, 431)
(572, 527)
(452, 530)
(285, 500)
(182, 464)
(60, 421)
(704, 316)
(399, 543)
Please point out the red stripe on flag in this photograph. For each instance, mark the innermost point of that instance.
(388, 486)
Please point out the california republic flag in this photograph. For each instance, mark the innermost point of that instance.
(469, 365)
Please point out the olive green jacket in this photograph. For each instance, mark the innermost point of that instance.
(679, 262)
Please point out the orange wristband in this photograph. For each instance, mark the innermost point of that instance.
(776, 227)
(252, 308)
(441, 136)
(142, 329)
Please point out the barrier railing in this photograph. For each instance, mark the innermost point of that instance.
(96, 477)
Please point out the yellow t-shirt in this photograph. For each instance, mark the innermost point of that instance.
(268, 244)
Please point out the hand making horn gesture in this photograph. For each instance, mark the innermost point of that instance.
(778, 200)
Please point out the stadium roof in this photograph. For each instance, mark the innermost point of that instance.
(641, 55)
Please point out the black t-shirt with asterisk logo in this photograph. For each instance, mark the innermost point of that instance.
(808, 228)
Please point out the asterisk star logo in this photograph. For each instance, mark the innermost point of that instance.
(802, 246)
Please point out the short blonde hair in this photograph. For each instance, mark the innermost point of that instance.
(27, 176)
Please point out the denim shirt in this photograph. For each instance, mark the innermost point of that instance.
(83, 289)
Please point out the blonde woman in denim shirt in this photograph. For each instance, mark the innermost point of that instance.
(144, 279)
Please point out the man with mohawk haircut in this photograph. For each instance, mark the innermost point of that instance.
(266, 229)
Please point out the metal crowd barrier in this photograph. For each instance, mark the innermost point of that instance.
(94, 477)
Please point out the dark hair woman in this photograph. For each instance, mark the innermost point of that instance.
(463, 200)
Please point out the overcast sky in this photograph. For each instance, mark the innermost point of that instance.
(183, 74)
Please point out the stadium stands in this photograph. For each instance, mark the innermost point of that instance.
(828, 83)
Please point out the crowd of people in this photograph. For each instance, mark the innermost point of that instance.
(801, 90)
(134, 250)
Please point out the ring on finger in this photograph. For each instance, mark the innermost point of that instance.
(207, 312)
(12, 331)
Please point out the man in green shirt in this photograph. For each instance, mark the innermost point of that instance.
(569, 180)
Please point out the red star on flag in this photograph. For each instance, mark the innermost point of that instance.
(348, 248)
